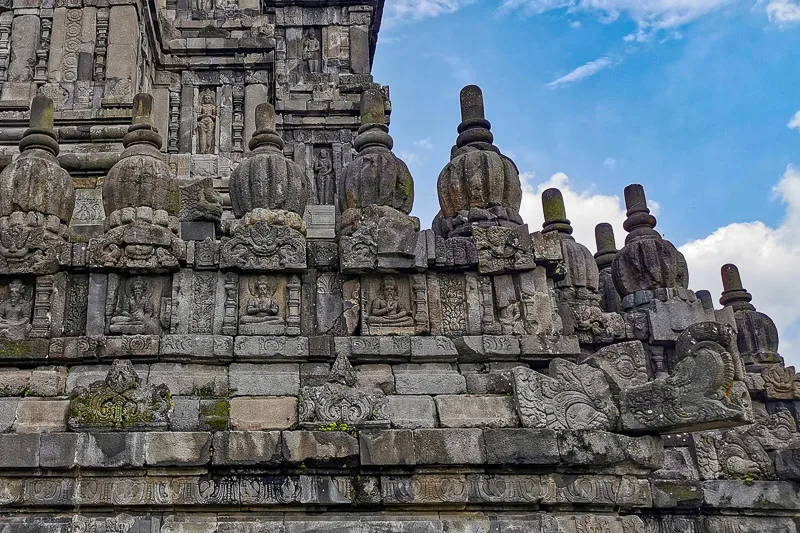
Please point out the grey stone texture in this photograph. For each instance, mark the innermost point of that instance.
(218, 315)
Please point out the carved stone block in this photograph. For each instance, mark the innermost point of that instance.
(138, 305)
(501, 249)
(702, 392)
(140, 240)
(266, 240)
(120, 402)
(272, 349)
(263, 308)
(570, 397)
(32, 243)
(191, 348)
(386, 306)
(624, 364)
(320, 221)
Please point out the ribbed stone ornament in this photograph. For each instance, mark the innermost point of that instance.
(141, 178)
(266, 178)
(757, 335)
(377, 176)
(34, 181)
(647, 261)
(478, 175)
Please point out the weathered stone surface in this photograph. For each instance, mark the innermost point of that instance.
(40, 416)
(247, 447)
(411, 412)
(111, 450)
(606, 451)
(449, 446)
(319, 446)
(177, 449)
(387, 447)
(476, 411)
(521, 446)
(264, 380)
(19, 451)
(431, 378)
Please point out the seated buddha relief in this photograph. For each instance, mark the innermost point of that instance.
(262, 310)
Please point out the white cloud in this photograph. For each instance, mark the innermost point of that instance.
(794, 123)
(584, 71)
(426, 143)
(651, 16)
(575, 24)
(585, 209)
(414, 10)
(784, 12)
(610, 162)
(767, 259)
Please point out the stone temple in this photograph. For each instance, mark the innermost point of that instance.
(218, 315)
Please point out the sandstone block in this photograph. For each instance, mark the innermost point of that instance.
(256, 413)
(170, 448)
(247, 447)
(449, 446)
(19, 450)
(318, 446)
(40, 416)
(387, 447)
(476, 411)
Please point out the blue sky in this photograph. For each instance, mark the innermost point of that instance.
(692, 98)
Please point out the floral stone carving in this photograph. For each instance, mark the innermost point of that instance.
(340, 401)
(570, 397)
(502, 249)
(704, 390)
(120, 402)
(266, 239)
(744, 451)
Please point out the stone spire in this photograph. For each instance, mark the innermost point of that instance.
(606, 245)
(757, 336)
(34, 181)
(479, 184)
(606, 251)
(376, 176)
(266, 178)
(581, 267)
(141, 178)
(647, 261)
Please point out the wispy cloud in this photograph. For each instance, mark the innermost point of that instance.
(426, 143)
(794, 123)
(651, 16)
(784, 12)
(584, 71)
(610, 163)
(414, 10)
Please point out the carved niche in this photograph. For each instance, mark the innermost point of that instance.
(139, 305)
(206, 127)
(16, 308)
(389, 306)
(269, 305)
(266, 240)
